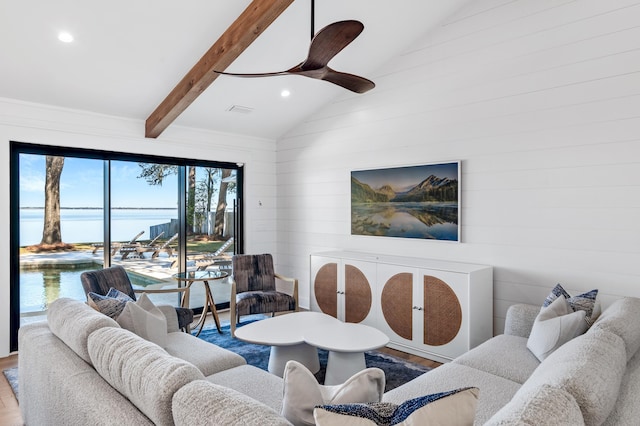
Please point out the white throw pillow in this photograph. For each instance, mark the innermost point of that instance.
(453, 408)
(302, 392)
(145, 319)
(554, 326)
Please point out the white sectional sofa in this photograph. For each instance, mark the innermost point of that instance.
(80, 368)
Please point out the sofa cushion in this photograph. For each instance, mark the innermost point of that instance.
(503, 355)
(457, 407)
(258, 384)
(140, 370)
(590, 368)
(623, 318)
(626, 411)
(72, 321)
(110, 304)
(204, 403)
(57, 387)
(302, 391)
(209, 358)
(495, 392)
(144, 318)
(554, 326)
(543, 405)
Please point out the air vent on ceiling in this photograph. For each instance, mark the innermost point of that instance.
(240, 109)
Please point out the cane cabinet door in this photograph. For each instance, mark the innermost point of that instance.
(343, 289)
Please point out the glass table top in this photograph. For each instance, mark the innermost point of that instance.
(201, 275)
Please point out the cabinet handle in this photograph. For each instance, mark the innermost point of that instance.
(340, 292)
(417, 308)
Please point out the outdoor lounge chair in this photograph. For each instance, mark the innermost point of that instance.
(116, 246)
(158, 249)
(127, 249)
(203, 260)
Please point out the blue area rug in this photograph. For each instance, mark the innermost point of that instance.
(12, 377)
(397, 371)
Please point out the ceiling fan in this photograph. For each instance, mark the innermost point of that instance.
(326, 44)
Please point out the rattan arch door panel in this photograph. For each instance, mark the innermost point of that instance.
(357, 292)
(396, 301)
(442, 312)
(325, 289)
(343, 289)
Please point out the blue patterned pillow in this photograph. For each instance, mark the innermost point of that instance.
(112, 304)
(456, 407)
(582, 302)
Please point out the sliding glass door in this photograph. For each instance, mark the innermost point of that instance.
(75, 210)
(211, 226)
(60, 223)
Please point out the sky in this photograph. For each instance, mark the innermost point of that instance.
(81, 184)
(404, 178)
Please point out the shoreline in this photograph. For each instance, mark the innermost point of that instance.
(101, 208)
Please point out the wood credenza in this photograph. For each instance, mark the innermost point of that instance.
(431, 308)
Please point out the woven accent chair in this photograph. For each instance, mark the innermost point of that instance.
(255, 290)
(101, 280)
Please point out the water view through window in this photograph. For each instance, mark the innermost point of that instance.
(85, 224)
(144, 225)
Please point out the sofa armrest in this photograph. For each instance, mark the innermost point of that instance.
(287, 285)
(172, 317)
(201, 402)
(520, 318)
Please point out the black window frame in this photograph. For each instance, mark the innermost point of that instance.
(17, 148)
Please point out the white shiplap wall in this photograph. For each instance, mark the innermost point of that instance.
(540, 99)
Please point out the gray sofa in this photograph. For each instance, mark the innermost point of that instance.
(80, 368)
(592, 379)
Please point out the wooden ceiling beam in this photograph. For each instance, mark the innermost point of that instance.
(244, 30)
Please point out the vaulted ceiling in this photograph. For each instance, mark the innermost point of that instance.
(127, 56)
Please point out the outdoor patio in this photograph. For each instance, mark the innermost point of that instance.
(145, 272)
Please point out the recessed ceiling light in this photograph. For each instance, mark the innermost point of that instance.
(285, 93)
(65, 37)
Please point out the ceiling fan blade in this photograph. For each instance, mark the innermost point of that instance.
(326, 44)
(351, 82)
(252, 75)
(329, 41)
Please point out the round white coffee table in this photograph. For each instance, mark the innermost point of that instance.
(285, 335)
(346, 343)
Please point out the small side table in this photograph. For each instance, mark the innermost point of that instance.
(209, 305)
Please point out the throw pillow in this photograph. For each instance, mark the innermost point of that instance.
(145, 319)
(554, 326)
(302, 392)
(453, 408)
(585, 302)
(111, 304)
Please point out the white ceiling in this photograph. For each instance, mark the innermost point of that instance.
(128, 55)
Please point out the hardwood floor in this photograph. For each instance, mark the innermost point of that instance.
(9, 410)
(411, 358)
